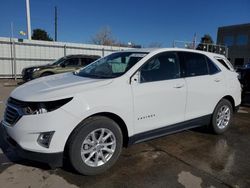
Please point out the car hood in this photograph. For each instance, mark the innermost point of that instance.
(56, 87)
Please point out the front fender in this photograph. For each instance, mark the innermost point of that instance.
(81, 110)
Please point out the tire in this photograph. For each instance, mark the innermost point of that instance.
(82, 141)
(46, 74)
(222, 117)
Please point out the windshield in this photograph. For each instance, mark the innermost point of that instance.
(111, 66)
(58, 61)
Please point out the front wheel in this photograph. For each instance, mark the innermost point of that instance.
(95, 146)
(222, 117)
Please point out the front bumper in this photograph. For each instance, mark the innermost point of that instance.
(27, 75)
(26, 131)
(23, 135)
(53, 159)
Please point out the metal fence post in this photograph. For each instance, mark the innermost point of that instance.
(102, 52)
(11, 57)
(64, 50)
(14, 58)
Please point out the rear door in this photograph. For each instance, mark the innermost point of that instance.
(205, 84)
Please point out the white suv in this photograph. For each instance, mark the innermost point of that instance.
(127, 97)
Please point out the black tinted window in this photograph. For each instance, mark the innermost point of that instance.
(86, 61)
(72, 62)
(213, 69)
(195, 64)
(223, 63)
(162, 67)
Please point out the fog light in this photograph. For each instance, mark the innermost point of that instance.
(45, 138)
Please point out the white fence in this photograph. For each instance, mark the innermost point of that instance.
(16, 54)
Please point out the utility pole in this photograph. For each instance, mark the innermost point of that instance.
(28, 19)
(55, 23)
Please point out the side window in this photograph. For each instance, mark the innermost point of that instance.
(163, 67)
(86, 61)
(213, 69)
(195, 64)
(223, 63)
(226, 64)
(71, 62)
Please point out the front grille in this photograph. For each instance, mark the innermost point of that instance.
(13, 111)
(11, 115)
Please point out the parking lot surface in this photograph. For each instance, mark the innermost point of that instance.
(190, 159)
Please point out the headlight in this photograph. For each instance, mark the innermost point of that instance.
(44, 107)
(36, 69)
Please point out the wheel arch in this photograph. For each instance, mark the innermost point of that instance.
(47, 71)
(110, 115)
(119, 121)
(231, 100)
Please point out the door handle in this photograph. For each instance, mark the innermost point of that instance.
(178, 86)
(217, 79)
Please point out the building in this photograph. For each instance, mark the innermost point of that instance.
(237, 39)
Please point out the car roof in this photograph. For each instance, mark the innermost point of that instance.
(142, 50)
(157, 50)
(82, 55)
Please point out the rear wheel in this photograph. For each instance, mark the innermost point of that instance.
(95, 146)
(222, 117)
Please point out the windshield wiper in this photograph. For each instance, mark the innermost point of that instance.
(94, 76)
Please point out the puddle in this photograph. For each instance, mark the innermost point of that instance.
(243, 111)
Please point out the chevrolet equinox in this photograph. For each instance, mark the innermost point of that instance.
(86, 117)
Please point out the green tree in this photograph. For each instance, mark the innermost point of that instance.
(206, 43)
(40, 34)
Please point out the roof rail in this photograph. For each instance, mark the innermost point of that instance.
(214, 48)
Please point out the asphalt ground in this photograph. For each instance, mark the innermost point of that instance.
(194, 158)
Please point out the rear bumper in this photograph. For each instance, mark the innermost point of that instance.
(53, 159)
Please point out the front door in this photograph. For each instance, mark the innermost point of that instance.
(159, 94)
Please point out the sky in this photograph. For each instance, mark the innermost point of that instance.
(138, 21)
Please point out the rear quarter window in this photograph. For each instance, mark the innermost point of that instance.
(225, 63)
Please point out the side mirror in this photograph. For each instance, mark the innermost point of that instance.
(135, 79)
(63, 65)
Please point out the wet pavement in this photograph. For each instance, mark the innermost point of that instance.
(188, 159)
